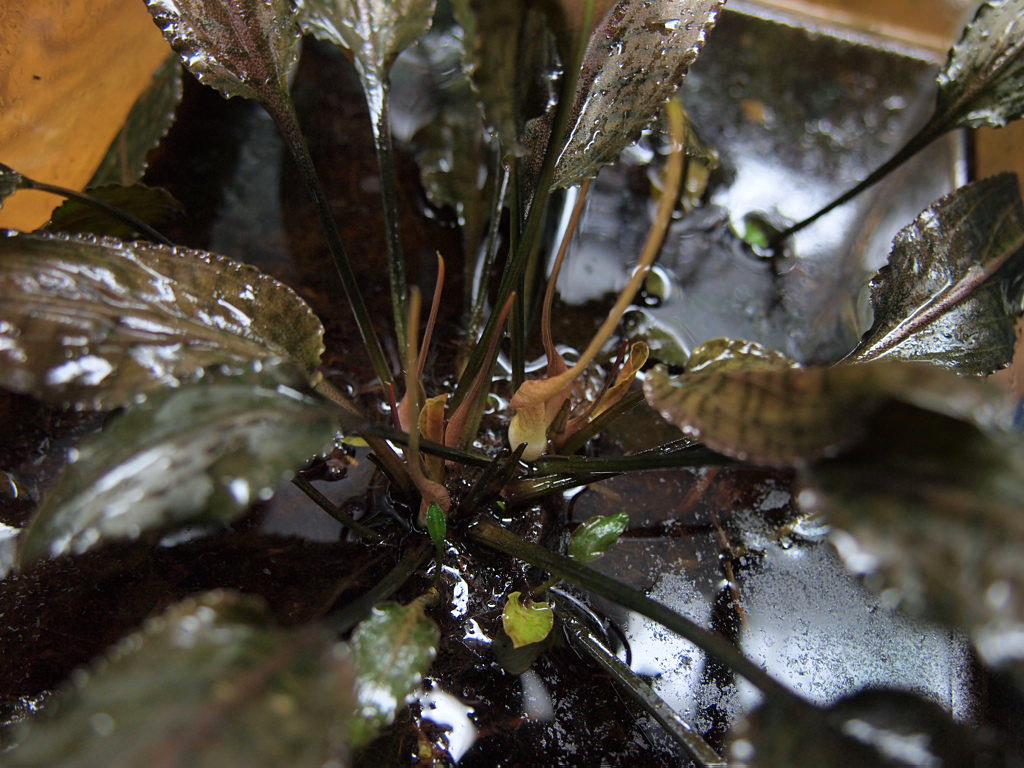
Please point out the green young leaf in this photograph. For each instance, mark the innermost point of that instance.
(930, 505)
(243, 48)
(201, 453)
(781, 416)
(392, 650)
(437, 523)
(983, 80)
(870, 729)
(592, 539)
(210, 683)
(636, 58)
(953, 286)
(376, 31)
(526, 621)
(147, 123)
(152, 205)
(10, 182)
(93, 323)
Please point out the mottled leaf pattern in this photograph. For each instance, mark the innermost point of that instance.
(210, 683)
(94, 322)
(201, 453)
(242, 48)
(392, 650)
(636, 58)
(983, 80)
(147, 123)
(954, 284)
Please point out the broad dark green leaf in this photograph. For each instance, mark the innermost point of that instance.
(241, 48)
(983, 80)
(526, 621)
(779, 416)
(954, 284)
(636, 58)
(93, 323)
(592, 539)
(10, 182)
(199, 453)
(932, 506)
(391, 650)
(147, 123)
(152, 205)
(376, 31)
(208, 684)
(870, 729)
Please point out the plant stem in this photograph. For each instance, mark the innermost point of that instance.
(479, 280)
(333, 510)
(596, 425)
(493, 535)
(695, 456)
(282, 111)
(360, 608)
(581, 637)
(132, 221)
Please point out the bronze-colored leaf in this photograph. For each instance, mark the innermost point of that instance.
(147, 123)
(780, 416)
(983, 80)
(209, 683)
(636, 58)
(723, 354)
(202, 453)
(92, 323)
(953, 287)
(242, 48)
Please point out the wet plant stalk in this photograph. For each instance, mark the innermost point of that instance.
(478, 281)
(333, 510)
(360, 608)
(283, 113)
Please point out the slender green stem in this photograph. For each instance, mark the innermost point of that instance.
(480, 279)
(378, 98)
(282, 111)
(919, 141)
(493, 535)
(582, 638)
(333, 510)
(524, 491)
(628, 402)
(695, 456)
(426, 446)
(132, 221)
(360, 608)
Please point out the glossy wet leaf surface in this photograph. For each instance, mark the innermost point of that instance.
(93, 323)
(152, 205)
(392, 650)
(147, 123)
(526, 621)
(983, 80)
(953, 287)
(201, 453)
(636, 58)
(592, 539)
(930, 506)
(211, 682)
(242, 48)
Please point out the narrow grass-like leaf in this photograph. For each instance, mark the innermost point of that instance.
(636, 58)
(242, 48)
(93, 323)
(153, 205)
(210, 683)
(392, 650)
(201, 453)
(954, 285)
(147, 123)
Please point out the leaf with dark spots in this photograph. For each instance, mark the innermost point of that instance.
(200, 453)
(147, 123)
(869, 729)
(10, 182)
(153, 205)
(954, 285)
(209, 683)
(724, 354)
(391, 650)
(780, 416)
(243, 48)
(636, 58)
(983, 80)
(92, 323)
(931, 506)
(376, 31)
